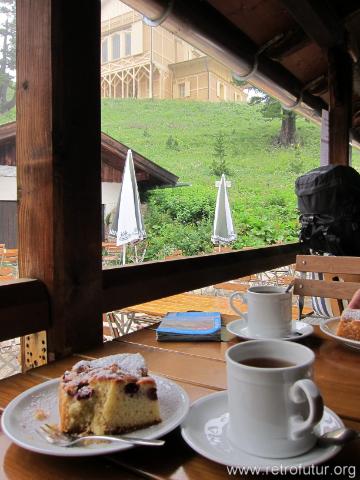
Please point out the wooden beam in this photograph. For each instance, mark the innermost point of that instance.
(25, 303)
(58, 158)
(24, 308)
(133, 284)
(340, 90)
(318, 21)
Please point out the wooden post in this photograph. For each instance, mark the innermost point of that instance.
(340, 92)
(58, 160)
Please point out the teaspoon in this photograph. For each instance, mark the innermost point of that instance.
(338, 437)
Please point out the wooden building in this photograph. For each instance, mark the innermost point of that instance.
(140, 61)
(113, 155)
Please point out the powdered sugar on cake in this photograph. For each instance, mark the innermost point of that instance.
(132, 364)
(351, 314)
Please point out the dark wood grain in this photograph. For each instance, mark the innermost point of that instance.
(134, 284)
(24, 308)
(340, 111)
(58, 160)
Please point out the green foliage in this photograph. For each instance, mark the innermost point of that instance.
(262, 196)
(219, 164)
(172, 143)
(296, 165)
(179, 219)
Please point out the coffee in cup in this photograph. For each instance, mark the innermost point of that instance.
(269, 311)
(273, 402)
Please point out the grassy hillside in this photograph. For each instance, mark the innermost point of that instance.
(262, 195)
(180, 136)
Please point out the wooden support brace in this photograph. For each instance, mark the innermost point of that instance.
(340, 89)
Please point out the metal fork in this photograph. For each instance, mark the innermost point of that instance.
(52, 435)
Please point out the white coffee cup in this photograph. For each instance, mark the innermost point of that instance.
(272, 410)
(269, 311)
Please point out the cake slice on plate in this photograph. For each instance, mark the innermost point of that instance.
(107, 396)
(349, 325)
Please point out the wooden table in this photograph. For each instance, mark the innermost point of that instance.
(188, 301)
(200, 369)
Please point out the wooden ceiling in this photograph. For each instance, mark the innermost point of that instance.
(303, 33)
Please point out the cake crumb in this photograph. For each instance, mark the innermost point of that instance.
(40, 414)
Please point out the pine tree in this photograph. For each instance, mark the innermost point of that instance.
(219, 164)
(271, 108)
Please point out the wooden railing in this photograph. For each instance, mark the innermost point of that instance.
(25, 304)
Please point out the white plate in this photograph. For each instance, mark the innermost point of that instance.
(19, 422)
(330, 326)
(205, 430)
(239, 328)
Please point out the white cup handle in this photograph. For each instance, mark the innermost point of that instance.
(298, 426)
(243, 299)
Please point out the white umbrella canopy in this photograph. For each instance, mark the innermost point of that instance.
(223, 229)
(128, 224)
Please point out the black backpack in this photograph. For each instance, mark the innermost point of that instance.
(329, 204)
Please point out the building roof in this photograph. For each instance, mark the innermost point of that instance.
(113, 156)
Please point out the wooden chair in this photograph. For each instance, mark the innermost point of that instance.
(341, 279)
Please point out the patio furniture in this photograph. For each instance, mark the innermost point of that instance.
(200, 369)
(341, 278)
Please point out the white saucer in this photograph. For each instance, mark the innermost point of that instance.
(330, 326)
(239, 328)
(20, 423)
(205, 430)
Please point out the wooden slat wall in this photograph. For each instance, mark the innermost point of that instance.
(59, 165)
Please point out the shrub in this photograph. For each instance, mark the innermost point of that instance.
(172, 143)
(219, 164)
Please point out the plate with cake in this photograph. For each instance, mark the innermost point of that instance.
(344, 329)
(111, 395)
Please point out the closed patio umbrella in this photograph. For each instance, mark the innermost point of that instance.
(223, 229)
(128, 224)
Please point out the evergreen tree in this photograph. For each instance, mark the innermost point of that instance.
(219, 164)
(271, 108)
(7, 54)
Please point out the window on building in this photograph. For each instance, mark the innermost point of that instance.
(115, 46)
(127, 43)
(184, 89)
(181, 87)
(104, 51)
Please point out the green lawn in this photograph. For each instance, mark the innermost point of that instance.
(262, 195)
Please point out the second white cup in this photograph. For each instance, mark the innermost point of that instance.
(269, 311)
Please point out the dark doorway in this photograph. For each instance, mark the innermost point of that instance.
(8, 223)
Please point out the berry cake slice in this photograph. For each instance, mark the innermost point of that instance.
(107, 396)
